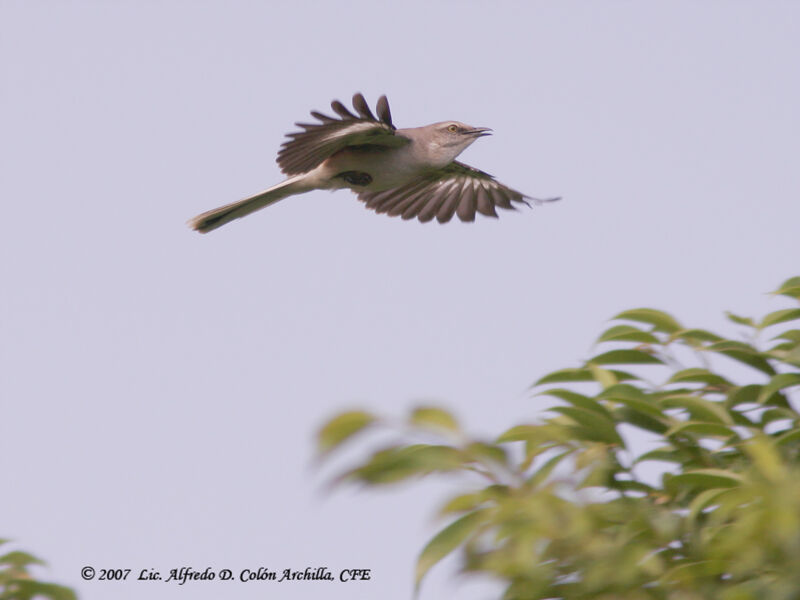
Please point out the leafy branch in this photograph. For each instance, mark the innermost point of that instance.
(566, 513)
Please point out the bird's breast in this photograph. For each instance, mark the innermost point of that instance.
(372, 168)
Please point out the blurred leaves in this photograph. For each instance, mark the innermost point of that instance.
(17, 582)
(447, 540)
(341, 428)
(436, 418)
(780, 316)
(583, 374)
(790, 288)
(560, 508)
(660, 321)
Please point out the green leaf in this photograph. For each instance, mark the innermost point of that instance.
(793, 335)
(542, 473)
(28, 588)
(632, 397)
(638, 409)
(595, 427)
(699, 376)
(660, 321)
(398, 463)
(535, 435)
(433, 418)
(663, 454)
(740, 320)
(642, 420)
(778, 383)
(787, 352)
(627, 333)
(780, 316)
(792, 357)
(483, 452)
(699, 408)
(744, 353)
(790, 288)
(447, 540)
(703, 500)
(341, 428)
(627, 485)
(471, 501)
(687, 572)
(747, 394)
(780, 351)
(602, 376)
(704, 479)
(520, 433)
(576, 399)
(462, 503)
(430, 458)
(385, 466)
(700, 335)
(701, 429)
(625, 357)
(533, 450)
(765, 457)
(578, 375)
(777, 414)
(17, 559)
(789, 437)
(625, 390)
(598, 475)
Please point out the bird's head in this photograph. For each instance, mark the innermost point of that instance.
(452, 138)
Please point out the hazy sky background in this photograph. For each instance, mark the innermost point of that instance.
(160, 389)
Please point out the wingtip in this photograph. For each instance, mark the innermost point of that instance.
(341, 110)
(540, 201)
(361, 106)
(384, 114)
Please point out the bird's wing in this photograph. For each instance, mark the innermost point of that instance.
(456, 189)
(307, 149)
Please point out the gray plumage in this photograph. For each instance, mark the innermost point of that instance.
(410, 173)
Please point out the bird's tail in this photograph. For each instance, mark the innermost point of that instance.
(209, 221)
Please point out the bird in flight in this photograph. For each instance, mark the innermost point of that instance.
(401, 172)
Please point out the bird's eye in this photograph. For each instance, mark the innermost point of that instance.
(452, 128)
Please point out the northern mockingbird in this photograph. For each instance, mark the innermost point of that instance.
(405, 172)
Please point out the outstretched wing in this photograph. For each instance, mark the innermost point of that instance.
(457, 189)
(307, 149)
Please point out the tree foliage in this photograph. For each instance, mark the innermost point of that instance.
(666, 468)
(17, 582)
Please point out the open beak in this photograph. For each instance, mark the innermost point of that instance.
(479, 131)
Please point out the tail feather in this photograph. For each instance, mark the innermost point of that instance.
(212, 219)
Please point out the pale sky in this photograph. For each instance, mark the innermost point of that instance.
(160, 389)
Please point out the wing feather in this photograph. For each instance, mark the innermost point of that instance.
(341, 110)
(391, 198)
(419, 201)
(361, 106)
(407, 202)
(307, 149)
(466, 207)
(455, 189)
(431, 209)
(447, 209)
(484, 203)
(384, 114)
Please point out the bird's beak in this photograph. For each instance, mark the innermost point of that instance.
(479, 131)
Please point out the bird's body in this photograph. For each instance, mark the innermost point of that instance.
(407, 172)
